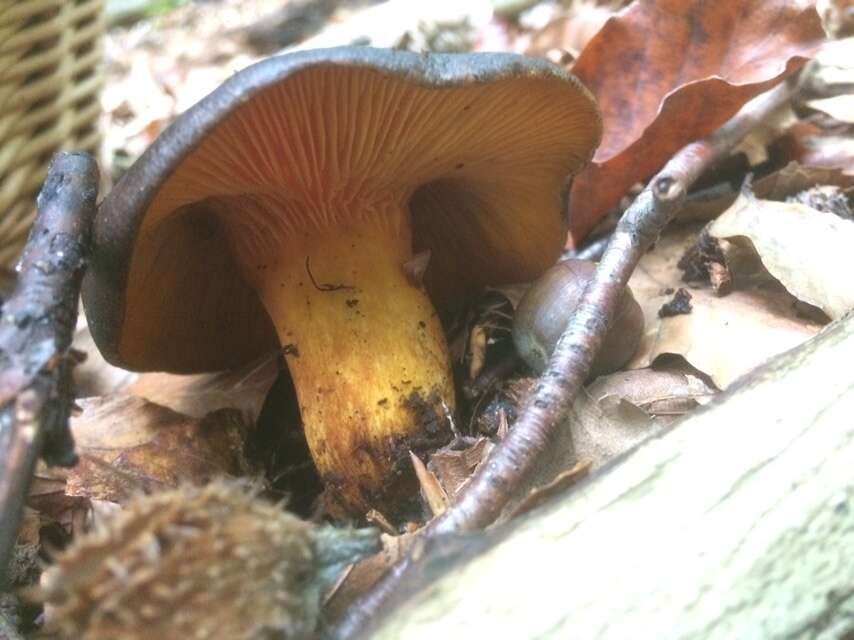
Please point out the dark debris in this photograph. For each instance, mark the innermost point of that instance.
(679, 305)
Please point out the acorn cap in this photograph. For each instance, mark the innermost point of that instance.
(478, 146)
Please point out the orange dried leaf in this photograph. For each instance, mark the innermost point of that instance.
(668, 72)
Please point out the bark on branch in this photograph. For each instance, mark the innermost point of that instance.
(737, 523)
(36, 329)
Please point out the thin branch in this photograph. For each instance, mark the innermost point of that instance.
(36, 329)
(511, 462)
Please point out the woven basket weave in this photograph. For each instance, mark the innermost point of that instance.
(50, 78)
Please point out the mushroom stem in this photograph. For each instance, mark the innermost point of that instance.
(366, 352)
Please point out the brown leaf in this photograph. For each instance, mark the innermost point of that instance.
(658, 392)
(808, 251)
(602, 430)
(667, 72)
(594, 433)
(453, 467)
(724, 337)
(128, 445)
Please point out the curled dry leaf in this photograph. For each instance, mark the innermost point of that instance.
(453, 467)
(666, 393)
(723, 337)
(828, 81)
(593, 434)
(603, 428)
(808, 251)
(667, 72)
(128, 446)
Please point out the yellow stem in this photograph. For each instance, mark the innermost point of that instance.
(366, 352)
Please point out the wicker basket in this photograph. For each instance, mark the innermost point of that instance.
(50, 77)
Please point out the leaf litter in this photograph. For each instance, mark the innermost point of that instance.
(786, 260)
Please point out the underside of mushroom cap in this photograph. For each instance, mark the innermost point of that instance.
(477, 147)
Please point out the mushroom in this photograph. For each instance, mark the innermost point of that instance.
(546, 308)
(287, 207)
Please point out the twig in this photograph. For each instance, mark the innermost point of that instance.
(36, 329)
(510, 463)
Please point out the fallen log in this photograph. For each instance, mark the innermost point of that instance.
(736, 523)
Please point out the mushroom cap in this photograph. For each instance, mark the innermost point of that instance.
(479, 147)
